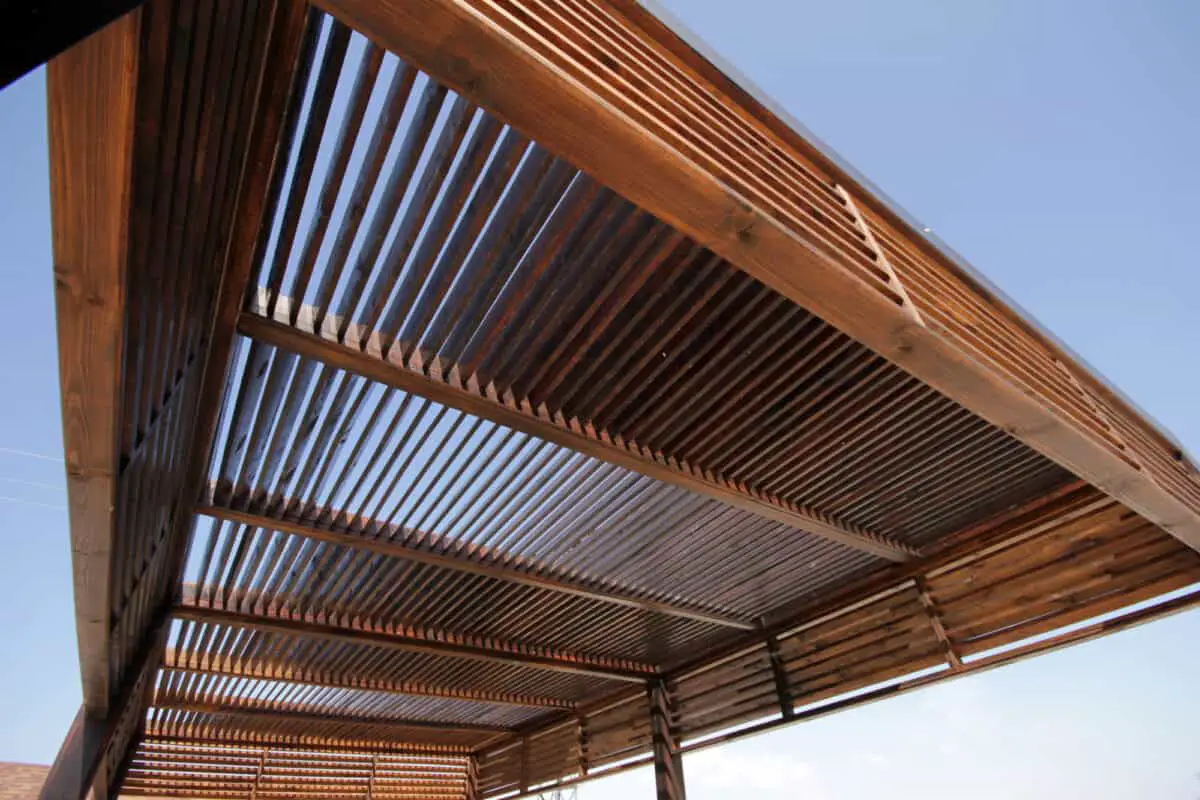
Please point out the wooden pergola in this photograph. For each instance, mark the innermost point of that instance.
(468, 397)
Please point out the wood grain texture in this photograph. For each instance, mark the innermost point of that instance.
(324, 346)
(91, 90)
(462, 45)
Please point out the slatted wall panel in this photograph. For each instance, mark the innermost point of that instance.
(1096, 564)
(730, 692)
(166, 768)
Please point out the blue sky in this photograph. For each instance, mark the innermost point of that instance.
(1052, 143)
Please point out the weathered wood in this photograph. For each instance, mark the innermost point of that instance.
(303, 717)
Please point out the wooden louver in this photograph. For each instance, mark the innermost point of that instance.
(483, 395)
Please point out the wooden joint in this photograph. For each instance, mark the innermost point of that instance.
(935, 622)
(881, 257)
(1104, 418)
(783, 689)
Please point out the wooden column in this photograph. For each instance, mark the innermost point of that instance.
(782, 686)
(668, 763)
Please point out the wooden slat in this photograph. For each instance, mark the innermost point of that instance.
(327, 348)
(179, 663)
(462, 48)
(385, 546)
(303, 717)
(442, 644)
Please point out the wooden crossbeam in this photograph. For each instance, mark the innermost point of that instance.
(325, 346)
(182, 662)
(304, 717)
(381, 542)
(497, 61)
(443, 644)
(282, 745)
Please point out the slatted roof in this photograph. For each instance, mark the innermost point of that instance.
(465, 397)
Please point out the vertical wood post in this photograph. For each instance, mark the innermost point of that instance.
(783, 687)
(668, 764)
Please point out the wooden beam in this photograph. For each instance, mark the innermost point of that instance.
(74, 769)
(326, 347)
(442, 645)
(36, 31)
(310, 718)
(379, 542)
(180, 662)
(91, 91)
(120, 728)
(500, 63)
(281, 745)
(668, 765)
(281, 53)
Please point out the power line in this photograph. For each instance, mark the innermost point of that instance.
(39, 456)
(29, 502)
(35, 484)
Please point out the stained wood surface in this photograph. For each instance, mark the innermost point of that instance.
(91, 146)
(592, 386)
(504, 63)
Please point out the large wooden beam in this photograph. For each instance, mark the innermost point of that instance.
(502, 63)
(91, 91)
(379, 542)
(443, 644)
(325, 346)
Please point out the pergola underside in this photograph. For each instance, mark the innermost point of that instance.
(464, 398)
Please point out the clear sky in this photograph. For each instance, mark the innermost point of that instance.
(1052, 143)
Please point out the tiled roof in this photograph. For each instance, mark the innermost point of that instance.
(21, 781)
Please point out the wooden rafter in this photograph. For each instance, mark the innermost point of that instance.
(439, 644)
(379, 541)
(303, 717)
(506, 66)
(326, 348)
(181, 662)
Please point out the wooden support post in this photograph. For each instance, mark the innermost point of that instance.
(262, 765)
(581, 726)
(78, 760)
(523, 780)
(782, 686)
(472, 792)
(935, 621)
(668, 763)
